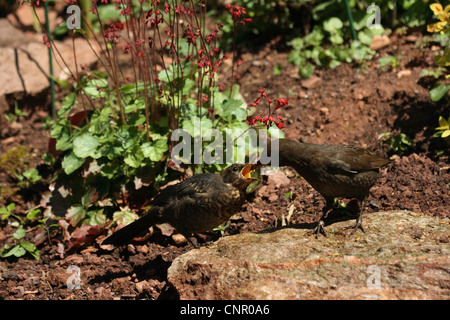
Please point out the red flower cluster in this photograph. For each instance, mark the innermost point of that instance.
(237, 14)
(213, 35)
(191, 35)
(268, 120)
(156, 20)
(281, 103)
(112, 34)
(206, 61)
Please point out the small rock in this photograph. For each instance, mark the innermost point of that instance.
(302, 94)
(411, 38)
(92, 258)
(403, 73)
(74, 260)
(178, 239)
(10, 275)
(15, 128)
(435, 48)
(273, 197)
(279, 179)
(166, 229)
(262, 192)
(21, 291)
(325, 111)
(375, 204)
(379, 42)
(143, 249)
(140, 286)
(312, 82)
(131, 249)
(99, 290)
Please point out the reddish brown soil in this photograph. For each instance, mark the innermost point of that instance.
(348, 105)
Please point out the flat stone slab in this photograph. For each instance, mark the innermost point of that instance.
(402, 255)
(24, 61)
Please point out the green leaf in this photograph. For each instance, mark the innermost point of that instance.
(385, 61)
(125, 216)
(136, 119)
(188, 85)
(30, 248)
(108, 12)
(32, 175)
(193, 126)
(433, 72)
(138, 104)
(134, 157)
(336, 39)
(71, 163)
(127, 136)
(155, 150)
(365, 38)
(16, 251)
(102, 83)
(89, 197)
(85, 145)
(306, 70)
(444, 60)
(132, 87)
(110, 170)
(439, 91)
(277, 69)
(5, 213)
(96, 217)
(11, 206)
(445, 134)
(443, 124)
(233, 107)
(333, 24)
(67, 104)
(20, 233)
(33, 214)
(76, 214)
(61, 131)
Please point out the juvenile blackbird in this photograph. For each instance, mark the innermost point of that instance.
(334, 171)
(197, 204)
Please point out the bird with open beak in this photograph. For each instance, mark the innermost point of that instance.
(197, 204)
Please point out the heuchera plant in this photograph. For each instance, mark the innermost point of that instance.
(112, 133)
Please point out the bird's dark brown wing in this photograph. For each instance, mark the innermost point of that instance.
(347, 159)
(195, 185)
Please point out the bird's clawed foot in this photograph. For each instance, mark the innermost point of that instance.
(358, 225)
(320, 229)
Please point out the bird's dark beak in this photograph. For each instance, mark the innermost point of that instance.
(246, 172)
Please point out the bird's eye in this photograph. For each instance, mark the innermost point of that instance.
(235, 169)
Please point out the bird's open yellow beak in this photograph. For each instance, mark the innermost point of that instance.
(246, 172)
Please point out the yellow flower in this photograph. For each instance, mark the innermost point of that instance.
(443, 15)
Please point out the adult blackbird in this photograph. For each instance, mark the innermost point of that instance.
(197, 204)
(334, 171)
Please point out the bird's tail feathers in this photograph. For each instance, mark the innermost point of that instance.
(126, 234)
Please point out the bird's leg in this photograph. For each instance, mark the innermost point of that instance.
(358, 224)
(192, 240)
(320, 228)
